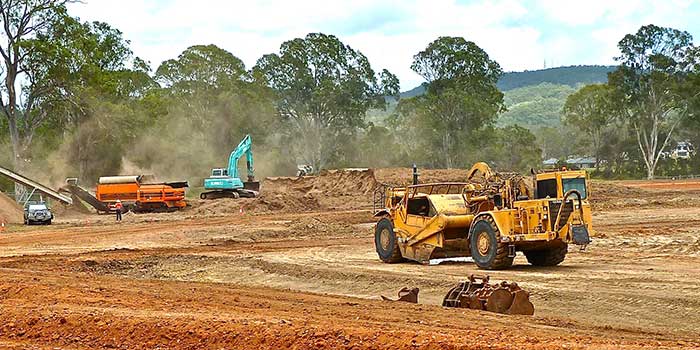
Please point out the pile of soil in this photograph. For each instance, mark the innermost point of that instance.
(611, 195)
(404, 176)
(607, 190)
(10, 211)
(341, 189)
(287, 202)
(341, 182)
(77, 209)
(346, 189)
(282, 202)
(221, 206)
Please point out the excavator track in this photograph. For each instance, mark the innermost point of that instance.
(235, 194)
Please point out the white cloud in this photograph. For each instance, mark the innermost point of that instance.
(519, 35)
(577, 13)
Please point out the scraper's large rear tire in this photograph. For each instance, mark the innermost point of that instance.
(486, 249)
(386, 242)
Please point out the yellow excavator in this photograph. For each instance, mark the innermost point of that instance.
(489, 218)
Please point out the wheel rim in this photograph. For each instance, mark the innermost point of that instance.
(384, 239)
(483, 243)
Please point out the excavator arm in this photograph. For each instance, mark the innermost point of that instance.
(244, 147)
(249, 164)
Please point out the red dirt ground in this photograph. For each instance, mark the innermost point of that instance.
(687, 184)
(307, 277)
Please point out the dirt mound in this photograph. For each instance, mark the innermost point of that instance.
(286, 202)
(78, 206)
(77, 209)
(404, 176)
(607, 189)
(10, 211)
(612, 195)
(267, 202)
(332, 189)
(339, 182)
(221, 206)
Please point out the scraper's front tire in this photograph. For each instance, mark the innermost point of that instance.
(386, 242)
(486, 249)
(551, 256)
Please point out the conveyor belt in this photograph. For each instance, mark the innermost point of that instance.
(86, 196)
(24, 181)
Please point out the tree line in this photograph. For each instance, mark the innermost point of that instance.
(650, 101)
(77, 101)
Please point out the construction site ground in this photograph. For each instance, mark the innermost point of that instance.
(296, 268)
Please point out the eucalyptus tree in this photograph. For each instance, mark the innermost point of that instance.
(323, 89)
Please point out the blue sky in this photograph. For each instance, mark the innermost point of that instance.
(519, 35)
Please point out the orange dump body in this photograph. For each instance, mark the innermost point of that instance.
(142, 197)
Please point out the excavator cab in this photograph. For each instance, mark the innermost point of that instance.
(218, 172)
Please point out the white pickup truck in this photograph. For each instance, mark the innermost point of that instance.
(37, 213)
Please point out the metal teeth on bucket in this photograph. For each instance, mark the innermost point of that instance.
(504, 297)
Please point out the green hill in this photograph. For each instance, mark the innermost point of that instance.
(572, 76)
(416, 91)
(535, 106)
(533, 98)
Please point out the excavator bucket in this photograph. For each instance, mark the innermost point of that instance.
(477, 293)
(252, 186)
(406, 294)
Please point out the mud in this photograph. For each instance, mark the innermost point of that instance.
(304, 274)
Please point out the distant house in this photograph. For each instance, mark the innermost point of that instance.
(581, 162)
(550, 163)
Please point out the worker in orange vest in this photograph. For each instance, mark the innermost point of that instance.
(118, 206)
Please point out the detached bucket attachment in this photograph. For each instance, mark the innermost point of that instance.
(406, 294)
(477, 293)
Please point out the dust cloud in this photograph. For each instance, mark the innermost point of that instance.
(183, 144)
